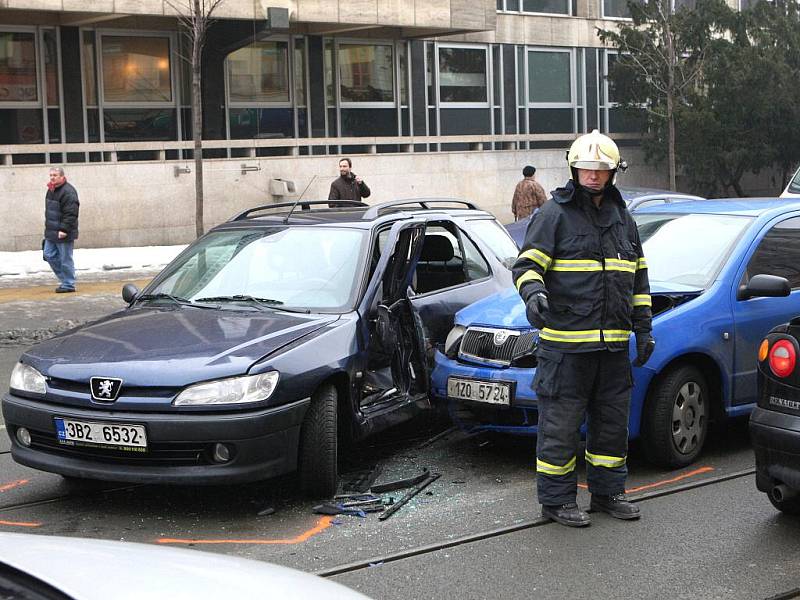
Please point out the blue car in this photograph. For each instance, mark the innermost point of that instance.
(635, 198)
(722, 274)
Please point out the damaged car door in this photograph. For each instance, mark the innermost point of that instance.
(394, 382)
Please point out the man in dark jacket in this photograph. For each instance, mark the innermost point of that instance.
(583, 276)
(348, 186)
(60, 228)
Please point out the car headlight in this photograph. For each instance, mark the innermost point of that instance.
(25, 378)
(235, 390)
(453, 341)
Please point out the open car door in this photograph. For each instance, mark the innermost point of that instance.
(395, 380)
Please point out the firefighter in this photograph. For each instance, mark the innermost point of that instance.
(583, 277)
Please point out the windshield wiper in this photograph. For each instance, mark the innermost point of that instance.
(241, 298)
(265, 302)
(176, 299)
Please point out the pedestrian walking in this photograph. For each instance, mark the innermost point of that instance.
(583, 277)
(60, 228)
(348, 186)
(528, 195)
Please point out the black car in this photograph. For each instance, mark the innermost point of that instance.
(775, 422)
(262, 346)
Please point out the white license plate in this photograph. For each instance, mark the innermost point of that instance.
(491, 392)
(114, 435)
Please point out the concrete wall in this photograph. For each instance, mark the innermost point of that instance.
(470, 15)
(136, 204)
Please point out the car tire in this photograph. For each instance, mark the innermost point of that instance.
(787, 507)
(676, 414)
(317, 455)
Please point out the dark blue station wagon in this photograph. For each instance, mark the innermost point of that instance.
(260, 347)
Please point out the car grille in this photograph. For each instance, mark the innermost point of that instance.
(164, 454)
(481, 344)
(82, 387)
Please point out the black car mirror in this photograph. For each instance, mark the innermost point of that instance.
(771, 286)
(129, 292)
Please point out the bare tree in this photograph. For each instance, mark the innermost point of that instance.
(195, 17)
(662, 55)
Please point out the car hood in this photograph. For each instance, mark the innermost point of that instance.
(171, 346)
(506, 309)
(91, 569)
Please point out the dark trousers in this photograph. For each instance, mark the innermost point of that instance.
(570, 387)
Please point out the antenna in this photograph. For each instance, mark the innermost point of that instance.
(291, 210)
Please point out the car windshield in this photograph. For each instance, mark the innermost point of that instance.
(688, 249)
(794, 185)
(314, 268)
(497, 239)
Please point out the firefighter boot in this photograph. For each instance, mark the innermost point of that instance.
(568, 514)
(616, 505)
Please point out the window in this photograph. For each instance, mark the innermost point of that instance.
(366, 73)
(18, 68)
(559, 7)
(550, 91)
(447, 260)
(550, 77)
(616, 118)
(136, 69)
(462, 75)
(475, 266)
(300, 71)
(259, 73)
(779, 253)
(497, 238)
(616, 9)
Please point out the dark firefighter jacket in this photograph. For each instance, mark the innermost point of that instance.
(346, 188)
(61, 213)
(589, 262)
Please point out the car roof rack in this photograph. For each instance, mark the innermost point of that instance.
(303, 204)
(422, 203)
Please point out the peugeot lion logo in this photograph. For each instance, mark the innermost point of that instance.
(105, 389)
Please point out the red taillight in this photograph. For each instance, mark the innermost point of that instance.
(782, 358)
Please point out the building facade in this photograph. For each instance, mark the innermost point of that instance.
(429, 98)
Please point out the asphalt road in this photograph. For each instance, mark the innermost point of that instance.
(474, 533)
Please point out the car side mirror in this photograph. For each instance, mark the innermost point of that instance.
(770, 286)
(129, 292)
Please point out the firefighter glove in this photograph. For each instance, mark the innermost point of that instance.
(645, 344)
(535, 307)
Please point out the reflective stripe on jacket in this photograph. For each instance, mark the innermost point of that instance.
(589, 261)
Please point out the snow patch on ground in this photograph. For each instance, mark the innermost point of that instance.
(21, 265)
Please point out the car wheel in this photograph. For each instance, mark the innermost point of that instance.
(676, 418)
(317, 456)
(788, 506)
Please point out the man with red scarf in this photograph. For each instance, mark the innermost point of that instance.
(60, 228)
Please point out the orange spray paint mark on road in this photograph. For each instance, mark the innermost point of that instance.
(321, 526)
(650, 486)
(20, 524)
(4, 487)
